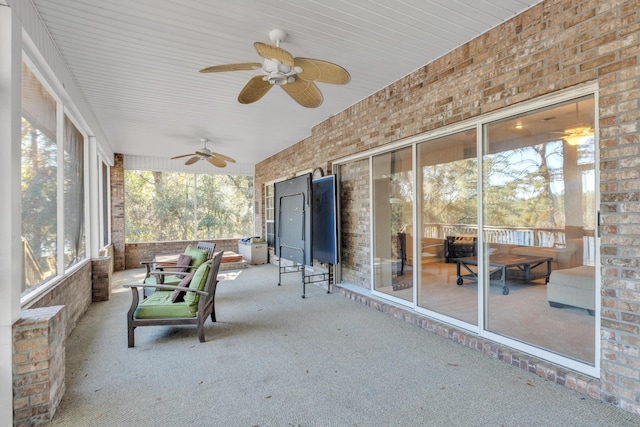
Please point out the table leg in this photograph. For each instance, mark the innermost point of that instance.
(503, 279)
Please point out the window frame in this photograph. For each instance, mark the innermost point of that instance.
(62, 109)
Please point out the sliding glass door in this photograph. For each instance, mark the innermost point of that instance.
(529, 276)
(539, 218)
(392, 199)
(448, 212)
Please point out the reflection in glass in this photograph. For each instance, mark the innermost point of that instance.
(392, 217)
(447, 184)
(39, 183)
(73, 163)
(539, 204)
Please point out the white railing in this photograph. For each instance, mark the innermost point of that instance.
(523, 236)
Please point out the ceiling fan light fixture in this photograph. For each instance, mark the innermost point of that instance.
(277, 78)
(578, 135)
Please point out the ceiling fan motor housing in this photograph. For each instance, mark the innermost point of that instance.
(278, 73)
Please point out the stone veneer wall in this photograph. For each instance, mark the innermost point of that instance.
(554, 45)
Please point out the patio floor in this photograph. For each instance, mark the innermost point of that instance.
(275, 359)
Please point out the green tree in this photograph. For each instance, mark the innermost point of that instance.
(165, 206)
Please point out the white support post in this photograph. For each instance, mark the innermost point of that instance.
(94, 198)
(10, 220)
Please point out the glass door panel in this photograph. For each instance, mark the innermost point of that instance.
(392, 206)
(539, 202)
(447, 185)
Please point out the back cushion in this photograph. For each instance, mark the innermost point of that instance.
(198, 256)
(178, 295)
(183, 263)
(198, 282)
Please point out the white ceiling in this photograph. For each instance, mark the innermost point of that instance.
(137, 62)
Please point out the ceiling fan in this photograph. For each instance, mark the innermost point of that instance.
(296, 76)
(219, 160)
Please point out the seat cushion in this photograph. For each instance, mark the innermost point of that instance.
(582, 277)
(159, 306)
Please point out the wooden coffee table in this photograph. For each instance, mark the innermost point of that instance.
(511, 268)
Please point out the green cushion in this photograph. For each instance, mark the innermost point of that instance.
(198, 256)
(198, 282)
(159, 305)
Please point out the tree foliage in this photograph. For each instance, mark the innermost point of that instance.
(522, 187)
(39, 196)
(165, 206)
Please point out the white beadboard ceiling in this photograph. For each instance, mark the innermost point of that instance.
(136, 62)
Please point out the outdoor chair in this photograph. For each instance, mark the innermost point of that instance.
(190, 302)
(189, 260)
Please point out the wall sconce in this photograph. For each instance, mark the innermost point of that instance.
(578, 135)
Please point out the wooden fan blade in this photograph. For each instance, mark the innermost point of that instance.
(232, 67)
(268, 51)
(217, 162)
(184, 155)
(304, 92)
(223, 157)
(192, 160)
(322, 71)
(255, 89)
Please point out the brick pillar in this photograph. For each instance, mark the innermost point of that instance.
(39, 338)
(117, 211)
(101, 279)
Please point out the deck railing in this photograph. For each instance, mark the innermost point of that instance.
(524, 236)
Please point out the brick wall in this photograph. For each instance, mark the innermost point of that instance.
(117, 212)
(355, 253)
(101, 270)
(553, 46)
(38, 365)
(137, 252)
(74, 292)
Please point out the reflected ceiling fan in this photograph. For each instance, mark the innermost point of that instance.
(578, 134)
(296, 76)
(216, 159)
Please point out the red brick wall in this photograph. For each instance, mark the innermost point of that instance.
(553, 46)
